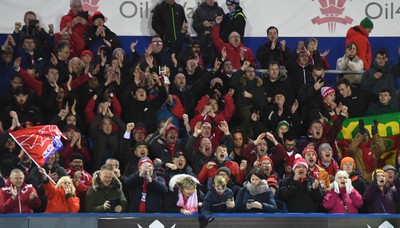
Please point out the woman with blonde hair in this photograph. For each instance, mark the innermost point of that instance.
(184, 197)
(61, 197)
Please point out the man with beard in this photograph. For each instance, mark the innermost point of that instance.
(82, 180)
(22, 107)
(283, 157)
(24, 163)
(315, 170)
(210, 169)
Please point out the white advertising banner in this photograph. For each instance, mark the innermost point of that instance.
(294, 18)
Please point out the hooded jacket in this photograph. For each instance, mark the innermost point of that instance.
(359, 36)
(98, 194)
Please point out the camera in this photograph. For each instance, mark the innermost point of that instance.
(84, 15)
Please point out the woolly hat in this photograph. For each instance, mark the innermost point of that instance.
(347, 159)
(224, 169)
(283, 123)
(141, 144)
(367, 23)
(76, 156)
(86, 52)
(233, 2)
(140, 127)
(326, 91)
(307, 150)
(299, 161)
(324, 146)
(118, 49)
(70, 127)
(263, 158)
(171, 128)
(272, 182)
(143, 160)
(96, 15)
(388, 167)
(377, 171)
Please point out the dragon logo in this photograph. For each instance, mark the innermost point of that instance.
(332, 11)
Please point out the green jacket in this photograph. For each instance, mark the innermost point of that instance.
(98, 194)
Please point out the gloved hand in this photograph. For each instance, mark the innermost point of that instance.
(374, 128)
(336, 187)
(361, 127)
(349, 186)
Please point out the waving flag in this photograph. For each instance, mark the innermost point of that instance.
(39, 142)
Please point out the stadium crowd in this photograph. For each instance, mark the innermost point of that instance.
(159, 132)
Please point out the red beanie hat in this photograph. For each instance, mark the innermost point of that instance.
(84, 52)
(307, 150)
(325, 91)
(170, 128)
(299, 161)
(263, 158)
(144, 160)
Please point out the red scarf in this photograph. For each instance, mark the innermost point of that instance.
(367, 157)
(142, 206)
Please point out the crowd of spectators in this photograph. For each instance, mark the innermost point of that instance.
(195, 130)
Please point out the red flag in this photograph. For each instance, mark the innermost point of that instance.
(39, 142)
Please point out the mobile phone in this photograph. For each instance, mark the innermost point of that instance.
(229, 198)
(379, 70)
(33, 23)
(250, 200)
(84, 15)
(113, 204)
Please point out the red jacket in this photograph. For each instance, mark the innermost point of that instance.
(21, 204)
(78, 28)
(76, 45)
(359, 36)
(205, 174)
(58, 202)
(226, 113)
(37, 86)
(232, 53)
(90, 113)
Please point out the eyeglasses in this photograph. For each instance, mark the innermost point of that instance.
(157, 42)
(266, 164)
(180, 159)
(249, 71)
(348, 164)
